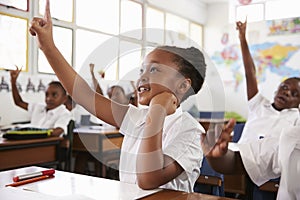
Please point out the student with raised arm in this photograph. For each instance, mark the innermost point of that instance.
(267, 118)
(115, 92)
(161, 146)
(259, 143)
(51, 115)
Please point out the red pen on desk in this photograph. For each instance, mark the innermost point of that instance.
(31, 180)
(34, 174)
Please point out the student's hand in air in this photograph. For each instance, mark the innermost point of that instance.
(166, 100)
(42, 29)
(92, 66)
(241, 27)
(215, 142)
(14, 74)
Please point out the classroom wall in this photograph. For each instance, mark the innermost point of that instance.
(224, 88)
(276, 54)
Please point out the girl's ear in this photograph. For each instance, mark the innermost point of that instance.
(184, 86)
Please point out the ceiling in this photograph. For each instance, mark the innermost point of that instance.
(213, 1)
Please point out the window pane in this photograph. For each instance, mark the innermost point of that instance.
(131, 19)
(196, 34)
(13, 42)
(102, 15)
(155, 26)
(86, 42)
(254, 12)
(178, 29)
(19, 4)
(130, 60)
(282, 9)
(62, 10)
(63, 40)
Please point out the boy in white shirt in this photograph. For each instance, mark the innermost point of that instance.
(266, 125)
(52, 115)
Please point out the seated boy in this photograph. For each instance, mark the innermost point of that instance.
(52, 115)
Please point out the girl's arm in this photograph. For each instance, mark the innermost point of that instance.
(153, 167)
(76, 86)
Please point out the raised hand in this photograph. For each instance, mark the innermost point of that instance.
(42, 29)
(215, 142)
(92, 66)
(14, 74)
(241, 27)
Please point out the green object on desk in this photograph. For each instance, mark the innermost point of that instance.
(234, 115)
(27, 133)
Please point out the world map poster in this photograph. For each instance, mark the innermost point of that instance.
(270, 58)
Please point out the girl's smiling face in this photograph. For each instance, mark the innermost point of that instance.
(158, 74)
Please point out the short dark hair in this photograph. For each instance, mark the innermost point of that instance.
(59, 85)
(191, 64)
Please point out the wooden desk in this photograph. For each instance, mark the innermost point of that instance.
(65, 183)
(97, 141)
(19, 153)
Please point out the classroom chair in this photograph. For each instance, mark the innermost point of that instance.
(110, 164)
(237, 131)
(66, 148)
(209, 181)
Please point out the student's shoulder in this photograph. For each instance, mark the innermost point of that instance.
(191, 122)
(36, 105)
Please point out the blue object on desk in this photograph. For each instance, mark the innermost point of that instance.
(211, 115)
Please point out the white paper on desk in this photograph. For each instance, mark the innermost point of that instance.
(9, 193)
(132, 191)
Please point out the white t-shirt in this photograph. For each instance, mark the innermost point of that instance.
(289, 161)
(180, 141)
(263, 120)
(57, 117)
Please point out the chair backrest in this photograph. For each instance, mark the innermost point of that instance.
(237, 131)
(69, 146)
(208, 176)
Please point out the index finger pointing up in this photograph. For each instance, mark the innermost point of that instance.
(47, 15)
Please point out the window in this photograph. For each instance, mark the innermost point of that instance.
(155, 25)
(112, 34)
(177, 30)
(102, 15)
(259, 10)
(86, 43)
(130, 60)
(61, 10)
(196, 34)
(13, 42)
(18, 4)
(131, 19)
(63, 40)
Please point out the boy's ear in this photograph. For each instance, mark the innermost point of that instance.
(65, 98)
(184, 86)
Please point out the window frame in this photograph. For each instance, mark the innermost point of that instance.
(33, 51)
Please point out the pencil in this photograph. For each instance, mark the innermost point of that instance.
(35, 179)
